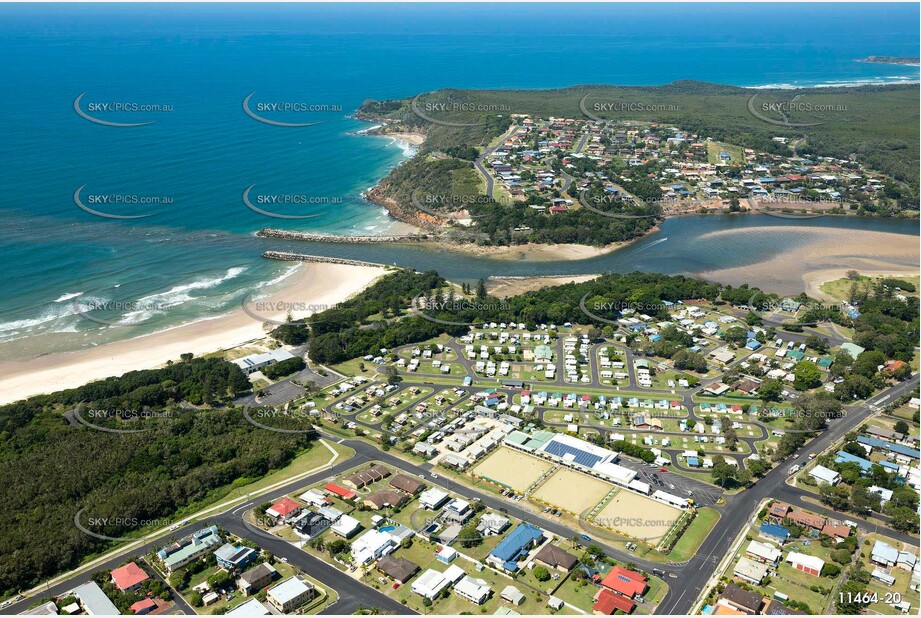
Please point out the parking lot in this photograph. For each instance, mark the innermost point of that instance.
(702, 493)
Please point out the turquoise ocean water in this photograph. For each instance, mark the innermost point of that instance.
(195, 255)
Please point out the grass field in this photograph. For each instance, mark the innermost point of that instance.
(694, 536)
(840, 288)
(637, 516)
(512, 469)
(572, 491)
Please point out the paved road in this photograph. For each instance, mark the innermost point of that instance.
(739, 509)
(691, 576)
(478, 163)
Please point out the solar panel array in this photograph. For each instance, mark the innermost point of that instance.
(580, 457)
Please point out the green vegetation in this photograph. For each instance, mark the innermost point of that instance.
(879, 126)
(284, 368)
(52, 468)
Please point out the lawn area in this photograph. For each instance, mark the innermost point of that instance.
(318, 455)
(694, 536)
(840, 288)
(886, 593)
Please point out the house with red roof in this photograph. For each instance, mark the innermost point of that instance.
(607, 602)
(342, 492)
(129, 577)
(626, 582)
(144, 606)
(284, 510)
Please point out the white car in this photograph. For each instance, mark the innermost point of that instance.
(795, 469)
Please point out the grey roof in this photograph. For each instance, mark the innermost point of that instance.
(94, 600)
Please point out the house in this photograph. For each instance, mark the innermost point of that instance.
(372, 545)
(399, 570)
(143, 607)
(129, 577)
(255, 579)
(251, 608)
(431, 583)
(432, 498)
(607, 602)
(780, 510)
(457, 511)
(750, 571)
(512, 595)
(94, 601)
(346, 526)
(342, 492)
(284, 510)
(807, 520)
(310, 524)
(825, 475)
(315, 497)
(553, 557)
(473, 589)
(735, 597)
(231, 557)
(406, 483)
(385, 498)
(626, 582)
(775, 607)
(762, 552)
(774, 532)
(514, 546)
(189, 548)
(363, 478)
(290, 595)
(447, 555)
(806, 564)
(838, 532)
(555, 603)
(884, 554)
(256, 362)
(492, 523)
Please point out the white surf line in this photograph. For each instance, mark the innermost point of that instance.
(165, 531)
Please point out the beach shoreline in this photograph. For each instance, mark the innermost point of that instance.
(314, 286)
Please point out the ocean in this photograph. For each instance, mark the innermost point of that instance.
(188, 69)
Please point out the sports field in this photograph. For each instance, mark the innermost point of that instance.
(572, 491)
(638, 516)
(512, 469)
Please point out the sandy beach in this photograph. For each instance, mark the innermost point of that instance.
(869, 253)
(312, 286)
(503, 287)
(531, 252)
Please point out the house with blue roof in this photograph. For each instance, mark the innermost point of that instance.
(514, 546)
(753, 344)
(774, 532)
(693, 462)
(891, 447)
(864, 464)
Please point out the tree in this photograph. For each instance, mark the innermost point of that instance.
(770, 390)
(830, 570)
(806, 375)
(541, 573)
(903, 519)
(723, 474)
(836, 496)
(901, 427)
(819, 344)
(195, 598)
(469, 537)
(850, 599)
(481, 290)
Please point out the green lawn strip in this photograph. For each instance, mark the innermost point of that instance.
(689, 542)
